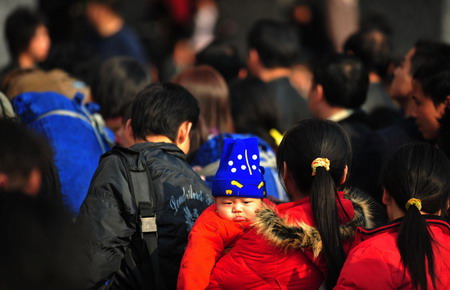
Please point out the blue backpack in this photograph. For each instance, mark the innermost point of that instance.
(208, 158)
(77, 137)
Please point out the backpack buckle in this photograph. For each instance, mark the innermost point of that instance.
(148, 224)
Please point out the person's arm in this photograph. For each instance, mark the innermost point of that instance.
(207, 242)
(105, 218)
(365, 268)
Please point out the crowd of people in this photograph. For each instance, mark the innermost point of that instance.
(298, 168)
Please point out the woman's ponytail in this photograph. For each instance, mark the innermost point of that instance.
(323, 202)
(417, 185)
(414, 243)
(316, 154)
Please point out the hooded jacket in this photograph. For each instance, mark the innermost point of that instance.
(376, 263)
(282, 250)
(109, 217)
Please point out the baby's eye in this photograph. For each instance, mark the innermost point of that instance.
(246, 202)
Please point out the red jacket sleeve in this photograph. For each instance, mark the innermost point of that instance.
(207, 241)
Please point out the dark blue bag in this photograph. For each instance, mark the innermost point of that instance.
(77, 137)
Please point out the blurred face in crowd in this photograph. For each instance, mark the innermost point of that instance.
(401, 86)
(315, 95)
(237, 209)
(40, 44)
(426, 113)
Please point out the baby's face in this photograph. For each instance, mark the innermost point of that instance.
(237, 209)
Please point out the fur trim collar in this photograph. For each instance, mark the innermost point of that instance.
(293, 235)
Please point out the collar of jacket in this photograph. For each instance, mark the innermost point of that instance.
(168, 148)
(393, 226)
(288, 236)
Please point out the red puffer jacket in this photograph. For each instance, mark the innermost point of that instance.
(279, 251)
(375, 263)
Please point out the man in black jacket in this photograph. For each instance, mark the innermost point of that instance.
(339, 89)
(162, 118)
(272, 50)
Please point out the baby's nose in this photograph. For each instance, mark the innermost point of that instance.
(237, 208)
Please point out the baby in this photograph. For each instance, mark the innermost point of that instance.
(238, 189)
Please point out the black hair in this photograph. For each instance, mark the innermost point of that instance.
(20, 28)
(426, 50)
(426, 178)
(444, 133)
(344, 80)
(434, 78)
(41, 245)
(253, 109)
(21, 151)
(77, 58)
(118, 81)
(373, 47)
(160, 109)
(222, 56)
(301, 145)
(277, 44)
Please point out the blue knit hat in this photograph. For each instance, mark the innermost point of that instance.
(239, 173)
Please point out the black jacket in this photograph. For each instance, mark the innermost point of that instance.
(292, 106)
(109, 217)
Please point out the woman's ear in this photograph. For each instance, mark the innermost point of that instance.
(289, 183)
(386, 199)
(344, 176)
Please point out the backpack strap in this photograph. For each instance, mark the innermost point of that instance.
(144, 197)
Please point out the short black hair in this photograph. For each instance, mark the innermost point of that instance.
(426, 50)
(344, 80)
(277, 43)
(20, 27)
(222, 56)
(116, 84)
(21, 151)
(373, 47)
(160, 109)
(434, 78)
(253, 109)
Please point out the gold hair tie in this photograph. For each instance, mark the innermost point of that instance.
(414, 201)
(320, 162)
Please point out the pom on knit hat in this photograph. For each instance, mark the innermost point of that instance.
(239, 173)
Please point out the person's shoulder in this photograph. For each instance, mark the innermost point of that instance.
(381, 239)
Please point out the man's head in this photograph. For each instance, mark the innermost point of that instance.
(340, 81)
(374, 49)
(431, 95)
(117, 82)
(98, 11)
(423, 51)
(167, 110)
(23, 154)
(271, 45)
(222, 56)
(26, 32)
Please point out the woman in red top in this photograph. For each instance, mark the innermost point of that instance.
(301, 243)
(413, 251)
